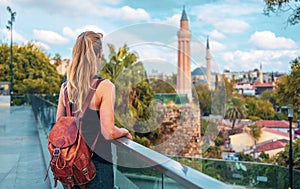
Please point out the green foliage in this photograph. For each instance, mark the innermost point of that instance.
(261, 108)
(255, 131)
(280, 116)
(269, 95)
(204, 98)
(203, 127)
(33, 72)
(235, 110)
(219, 141)
(222, 91)
(283, 6)
(264, 156)
(213, 152)
(245, 157)
(282, 158)
(135, 103)
(289, 86)
(162, 85)
(254, 118)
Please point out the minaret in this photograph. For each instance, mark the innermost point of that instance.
(260, 74)
(208, 58)
(184, 85)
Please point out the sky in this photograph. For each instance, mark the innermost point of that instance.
(241, 38)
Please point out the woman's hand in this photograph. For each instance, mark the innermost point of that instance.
(126, 133)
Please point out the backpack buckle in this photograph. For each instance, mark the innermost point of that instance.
(70, 179)
(85, 171)
(56, 152)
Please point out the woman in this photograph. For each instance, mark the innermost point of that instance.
(87, 53)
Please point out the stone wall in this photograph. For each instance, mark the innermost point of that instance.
(181, 132)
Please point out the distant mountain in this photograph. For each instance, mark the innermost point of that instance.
(199, 71)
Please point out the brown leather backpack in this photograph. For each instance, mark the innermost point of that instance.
(70, 157)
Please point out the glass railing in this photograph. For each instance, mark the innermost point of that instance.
(146, 168)
(135, 165)
(246, 174)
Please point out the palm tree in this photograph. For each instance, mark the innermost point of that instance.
(117, 62)
(235, 110)
(134, 94)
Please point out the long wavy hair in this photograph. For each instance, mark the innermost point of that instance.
(84, 67)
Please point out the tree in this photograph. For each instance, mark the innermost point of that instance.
(235, 110)
(33, 72)
(213, 152)
(223, 90)
(135, 103)
(204, 98)
(282, 6)
(163, 86)
(259, 108)
(57, 59)
(255, 131)
(269, 95)
(288, 91)
(282, 158)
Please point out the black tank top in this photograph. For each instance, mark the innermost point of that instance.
(90, 128)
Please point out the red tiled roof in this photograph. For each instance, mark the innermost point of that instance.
(242, 83)
(275, 124)
(272, 145)
(280, 133)
(263, 85)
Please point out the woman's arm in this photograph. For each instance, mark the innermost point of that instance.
(61, 105)
(109, 130)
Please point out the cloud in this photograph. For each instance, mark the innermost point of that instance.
(41, 45)
(268, 40)
(4, 2)
(50, 37)
(16, 36)
(216, 46)
(214, 12)
(67, 31)
(215, 34)
(272, 60)
(232, 26)
(157, 56)
(173, 20)
(112, 2)
(124, 13)
(88, 9)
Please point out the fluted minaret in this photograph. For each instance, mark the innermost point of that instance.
(208, 58)
(184, 84)
(260, 74)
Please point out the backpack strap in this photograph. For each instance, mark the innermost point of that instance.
(87, 101)
(67, 103)
(89, 97)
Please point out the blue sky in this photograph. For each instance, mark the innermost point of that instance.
(241, 37)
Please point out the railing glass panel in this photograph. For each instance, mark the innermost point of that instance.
(246, 174)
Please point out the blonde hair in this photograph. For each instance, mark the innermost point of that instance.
(83, 67)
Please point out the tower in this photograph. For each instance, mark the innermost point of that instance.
(260, 74)
(208, 58)
(184, 85)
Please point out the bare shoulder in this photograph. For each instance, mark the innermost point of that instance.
(106, 86)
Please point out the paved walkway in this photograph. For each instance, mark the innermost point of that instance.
(21, 160)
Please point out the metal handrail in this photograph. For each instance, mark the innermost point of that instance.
(184, 175)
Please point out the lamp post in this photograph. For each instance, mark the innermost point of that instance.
(10, 27)
(290, 117)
